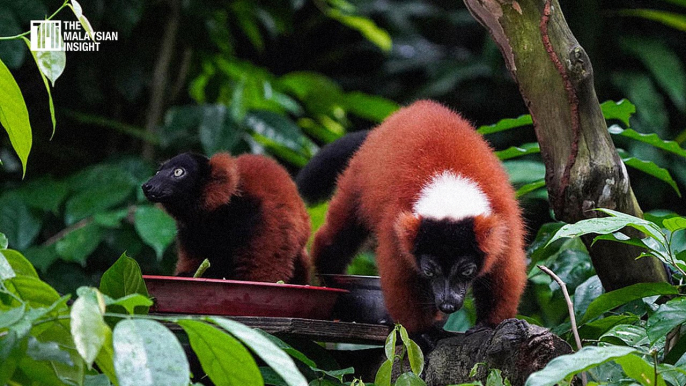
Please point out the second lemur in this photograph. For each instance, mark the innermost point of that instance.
(438, 201)
(244, 214)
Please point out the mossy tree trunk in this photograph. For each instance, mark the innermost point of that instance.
(583, 169)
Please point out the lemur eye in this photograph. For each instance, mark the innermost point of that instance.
(428, 273)
(178, 172)
(469, 270)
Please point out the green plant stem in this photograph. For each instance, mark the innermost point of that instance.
(66, 2)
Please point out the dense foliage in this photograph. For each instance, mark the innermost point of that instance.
(85, 129)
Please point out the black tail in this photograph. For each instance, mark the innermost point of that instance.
(317, 180)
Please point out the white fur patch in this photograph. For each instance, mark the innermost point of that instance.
(451, 196)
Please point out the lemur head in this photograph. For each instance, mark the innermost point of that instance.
(178, 184)
(451, 237)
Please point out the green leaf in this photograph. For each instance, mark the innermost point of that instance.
(389, 346)
(674, 224)
(518, 151)
(652, 169)
(45, 194)
(97, 188)
(147, 353)
(222, 357)
(50, 64)
(674, 20)
(88, 326)
(530, 187)
(414, 353)
(667, 316)
(76, 7)
(288, 349)
(616, 298)
(34, 291)
(372, 107)
(651, 139)
(376, 35)
(409, 379)
(78, 244)
(604, 225)
(3, 241)
(111, 219)
(123, 278)
(17, 221)
(564, 366)
(281, 130)
(622, 110)
(506, 124)
(20, 265)
(155, 227)
(663, 63)
(12, 350)
(628, 334)
(383, 375)
(217, 129)
(640, 370)
(8, 318)
(130, 302)
(14, 116)
(265, 349)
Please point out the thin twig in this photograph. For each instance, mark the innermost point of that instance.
(570, 308)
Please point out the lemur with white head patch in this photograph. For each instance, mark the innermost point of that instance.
(438, 201)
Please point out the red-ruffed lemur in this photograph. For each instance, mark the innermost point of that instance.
(244, 214)
(438, 201)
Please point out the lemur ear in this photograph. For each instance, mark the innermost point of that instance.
(491, 234)
(406, 228)
(223, 181)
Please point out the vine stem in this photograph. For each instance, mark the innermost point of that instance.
(66, 2)
(570, 308)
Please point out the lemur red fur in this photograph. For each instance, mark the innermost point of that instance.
(383, 181)
(277, 250)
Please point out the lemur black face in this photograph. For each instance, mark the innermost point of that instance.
(178, 179)
(449, 258)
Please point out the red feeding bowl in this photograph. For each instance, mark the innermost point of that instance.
(185, 295)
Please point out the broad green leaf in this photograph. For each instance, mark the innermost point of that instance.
(667, 316)
(14, 116)
(530, 187)
(414, 353)
(97, 189)
(518, 151)
(372, 107)
(20, 265)
(8, 318)
(265, 349)
(674, 224)
(78, 244)
(34, 291)
(222, 357)
(111, 219)
(123, 278)
(372, 32)
(630, 335)
(389, 346)
(147, 353)
(674, 20)
(616, 298)
(281, 130)
(17, 221)
(651, 139)
(622, 110)
(130, 302)
(217, 129)
(50, 65)
(383, 374)
(663, 63)
(105, 358)
(506, 124)
(524, 171)
(12, 350)
(47, 351)
(288, 349)
(155, 227)
(88, 326)
(45, 194)
(640, 370)
(495, 378)
(409, 379)
(604, 225)
(585, 293)
(42, 257)
(566, 365)
(652, 169)
(76, 7)
(3, 241)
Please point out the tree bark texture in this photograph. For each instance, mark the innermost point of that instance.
(583, 169)
(515, 347)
